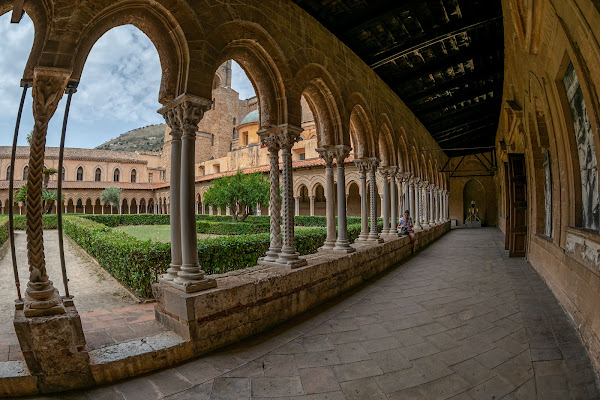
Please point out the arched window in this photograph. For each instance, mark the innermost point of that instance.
(98, 175)
(64, 173)
(117, 175)
(8, 173)
(133, 176)
(80, 173)
(234, 120)
(25, 172)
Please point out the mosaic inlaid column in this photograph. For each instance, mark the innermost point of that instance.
(432, 205)
(327, 153)
(288, 257)
(424, 204)
(417, 216)
(373, 234)
(270, 139)
(342, 244)
(363, 165)
(393, 206)
(385, 204)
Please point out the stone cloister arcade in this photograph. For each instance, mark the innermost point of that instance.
(379, 155)
(351, 117)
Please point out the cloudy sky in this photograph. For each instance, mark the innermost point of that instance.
(118, 89)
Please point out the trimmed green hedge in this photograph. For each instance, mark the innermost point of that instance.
(138, 264)
(231, 228)
(129, 219)
(3, 229)
(49, 221)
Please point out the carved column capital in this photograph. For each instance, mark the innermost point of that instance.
(270, 138)
(341, 153)
(327, 153)
(289, 134)
(363, 165)
(48, 87)
(185, 112)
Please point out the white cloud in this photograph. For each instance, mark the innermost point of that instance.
(118, 89)
(240, 82)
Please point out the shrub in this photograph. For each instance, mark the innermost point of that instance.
(129, 219)
(3, 229)
(49, 221)
(231, 228)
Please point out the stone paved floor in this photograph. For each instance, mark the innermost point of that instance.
(460, 320)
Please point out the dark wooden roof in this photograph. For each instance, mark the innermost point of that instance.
(444, 59)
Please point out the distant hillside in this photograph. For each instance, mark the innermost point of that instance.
(147, 139)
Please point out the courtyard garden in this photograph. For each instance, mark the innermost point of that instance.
(135, 249)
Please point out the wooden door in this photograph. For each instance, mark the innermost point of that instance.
(506, 208)
(518, 205)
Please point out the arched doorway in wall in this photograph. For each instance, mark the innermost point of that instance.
(320, 205)
(79, 206)
(353, 206)
(142, 207)
(474, 191)
(133, 208)
(89, 209)
(151, 206)
(70, 206)
(303, 201)
(97, 207)
(124, 207)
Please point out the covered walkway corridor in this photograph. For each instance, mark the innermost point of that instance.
(460, 320)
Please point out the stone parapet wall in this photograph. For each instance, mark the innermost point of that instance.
(251, 301)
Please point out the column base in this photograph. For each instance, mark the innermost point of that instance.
(363, 237)
(272, 255)
(33, 307)
(374, 238)
(343, 247)
(193, 286)
(328, 245)
(54, 350)
(291, 260)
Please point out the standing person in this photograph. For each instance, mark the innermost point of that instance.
(406, 228)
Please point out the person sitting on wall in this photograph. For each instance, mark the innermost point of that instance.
(406, 228)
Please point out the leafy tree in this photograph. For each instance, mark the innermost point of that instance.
(29, 137)
(240, 192)
(51, 196)
(48, 196)
(112, 196)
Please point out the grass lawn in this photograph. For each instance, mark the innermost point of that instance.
(162, 233)
(157, 233)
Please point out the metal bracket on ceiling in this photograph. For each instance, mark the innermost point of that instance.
(17, 13)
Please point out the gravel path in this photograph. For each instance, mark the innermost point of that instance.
(92, 287)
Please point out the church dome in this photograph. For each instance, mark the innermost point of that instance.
(251, 117)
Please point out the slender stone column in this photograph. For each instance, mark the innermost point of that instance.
(385, 204)
(197, 204)
(289, 257)
(417, 216)
(312, 205)
(401, 197)
(174, 124)
(411, 197)
(41, 298)
(373, 234)
(269, 138)
(327, 153)
(227, 211)
(393, 206)
(432, 205)
(446, 208)
(296, 205)
(342, 244)
(188, 110)
(438, 214)
(363, 165)
(425, 204)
